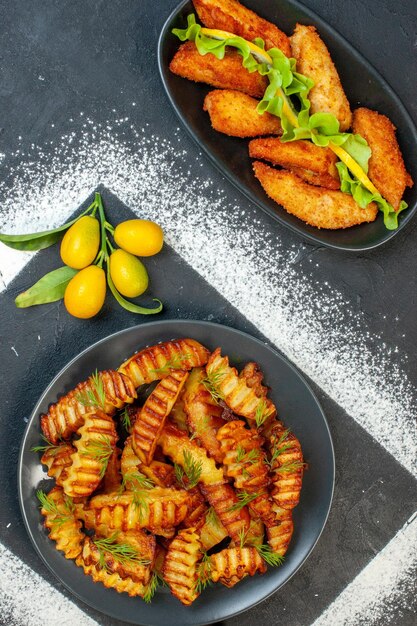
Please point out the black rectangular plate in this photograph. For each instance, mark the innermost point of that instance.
(363, 85)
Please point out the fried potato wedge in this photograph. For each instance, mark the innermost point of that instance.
(177, 446)
(158, 472)
(197, 511)
(64, 528)
(287, 467)
(58, 460)
(222, 497)
(241, 398)
(203, 414)
(212, 532)
(234, 113)
(386, 165)
(322, 208)
(180, 565)
(253, 376)
(279, 535)
(178, 415)
(314, 61)
(151, 419)
(233, 17)
(67, 415)
(112, 478)
(158, 510)
(112, 581)
(158, 361)
(94, 448)
(299, 154)
(227, 73)
(232, 564)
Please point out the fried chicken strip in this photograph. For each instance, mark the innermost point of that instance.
(322, 208)
(231, 16)
(386, 165)
(227, 73)
(234, 113)
(314, 60)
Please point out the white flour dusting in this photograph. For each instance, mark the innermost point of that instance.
(26, 599)
(378, 594)
(311, 323)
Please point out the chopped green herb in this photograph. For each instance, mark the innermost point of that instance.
(262, 413)
(126, 421)
(48, 446)
(212, 381)
(94, 396)
(124, 553)
(244, 498)
(99, 449)
(50, 506)
(203, 574)
(191, 469)
(176, 362)
(155, 582)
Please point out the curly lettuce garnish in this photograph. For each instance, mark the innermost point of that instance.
(287, 98)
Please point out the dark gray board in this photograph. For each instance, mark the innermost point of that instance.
(374, 495)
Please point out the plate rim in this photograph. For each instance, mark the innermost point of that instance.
(178, 322)
(311, 237)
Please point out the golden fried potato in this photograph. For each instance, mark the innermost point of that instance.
(279, 535)
(112, 581)
(222, 497)
(386, 165)
(67, 415)
(233, 17)
(314, 61)
(212, 532)
(58, 460)
(180, 565)
(253, 376)
(234, 113)
(227, 73)
(177, 445)
(159, 510)
(151, 419)
(158, 361)
(197, 511)
(97, 440)
(203, 414)
(232, 564)
(64, 528)
(178, 415)
(319, 207)
(112, 478)
(233, 389)
(158, 472)
(287, 467)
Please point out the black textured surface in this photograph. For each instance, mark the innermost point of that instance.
(95, 56)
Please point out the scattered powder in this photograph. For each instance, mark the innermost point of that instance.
(381, 591)
(250, 266)
(27, 599)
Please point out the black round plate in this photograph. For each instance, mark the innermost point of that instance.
(297, 407)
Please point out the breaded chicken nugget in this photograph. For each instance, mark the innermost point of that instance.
(314, 61)
(227, 73)
(318, 207)
(234, 113)
(300, 153)
(320, 180)
(230, 15)
(386, 165)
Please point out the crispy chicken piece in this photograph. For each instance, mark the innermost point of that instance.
(234, 113)
(279, 535)
(58, 460)
(151, 419)
(231, 16)
(301, 156)
(97, 440)
(159, 510)
(287, 467)
(241, 398)
(222, 497)
(386, 165)
(227, 73)
(320, 180)
(314, 61)
(64, 528)
(112, 478)
(177, 445)
(112, 581)
(232, 564)
(212, 532)
(67, 415)
(158, 361)
(318, 207)
(180, 565)
(203, 414)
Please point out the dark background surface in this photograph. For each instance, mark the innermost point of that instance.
(99, 56)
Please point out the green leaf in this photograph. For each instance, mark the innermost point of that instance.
(130, 306)
(49, 288)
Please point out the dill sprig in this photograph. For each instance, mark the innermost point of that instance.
(269, 556)
(138, 485)
(203, 574)
(126, 421)
(262, 413)
(100, 450)
(212, 381)
(251, 456)
(155, 582)
(290, 466)
(244, 498)
(212, 517)
(201, 425)
(51, 507)
(279, 447)
(94, 396)
(191, 469)
(48, 446)
(124, 553)
(176, 362)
